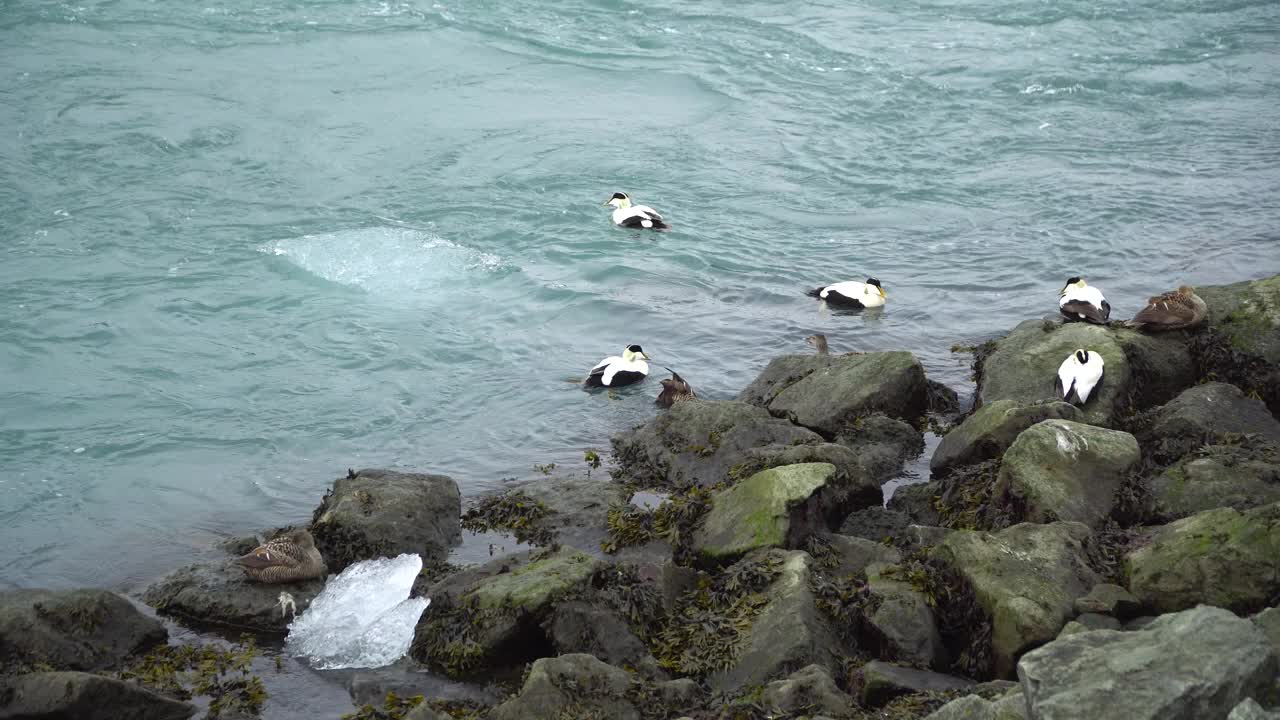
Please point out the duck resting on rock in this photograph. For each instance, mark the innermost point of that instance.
(852, 294)
(1079, 300)
(291, 557)
(616, 371)
(674, 390)
(1078, 376)
(634, 216)
(1180, 309)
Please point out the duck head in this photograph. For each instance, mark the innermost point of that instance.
(873, 286)
(819, 343)
(1082, 357)
(631, 353)
(619, 200)
(1072, 282)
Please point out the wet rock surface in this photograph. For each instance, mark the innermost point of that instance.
(218, 593)
(84, 629)
(991, 429)
(83, 696)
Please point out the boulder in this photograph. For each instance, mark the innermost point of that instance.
(1222, 557)
(788, 632)
(382, 513)
(1026, 578)
(218, 593)
(1109, 599)
(876, 523)
(72, 629)
(495, 615)
(570, 686)
(1249, 709)
(1063, 470)
(808, 690)
(852, 555)
(881, 445)
(1089, 621)
(879, 682)
(1246, 316)
(1161, 365)
(1206, 412)
(904, 620)
(1269, 622)
(1025, 363)
(1010, 706)
(829, 394)
(1226, 477)
(577, 507)
(1194, 664)
(84, 696)
(780, 507)
(581, 627)
(990, 430)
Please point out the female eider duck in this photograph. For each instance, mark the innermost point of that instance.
(1081, 301)
(819, 343)
(1078, 376)
(634, 216)
(288, 558)
(674, 390)
(1181, 309)
(617, 371)
(852, 294)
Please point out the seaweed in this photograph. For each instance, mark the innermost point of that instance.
(393, 707)
(963, 624)
(514, 512)
(223, 674)
(967, 499)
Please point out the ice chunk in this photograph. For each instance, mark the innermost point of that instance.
(364, 617)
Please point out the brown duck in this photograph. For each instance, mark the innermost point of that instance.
(1181, 309)
(674, 390)
(819, 343)
(289, 558)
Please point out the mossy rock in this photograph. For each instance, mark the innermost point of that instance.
(1248, 314)
(1206, 414)
(991, 429)
(779, 507)
(1026, 578)
(530, 587)
(831, 398)
(1221, 557)
(1064, 470)
(1221, 478)
(1025, 364)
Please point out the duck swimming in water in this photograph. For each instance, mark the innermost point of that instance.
(1080, 301)
(852, 294)
(615, 371)
(288, 558)
(1078, 376)
(634, 216)
(674, 390)
(819, 343)
(1181, 309)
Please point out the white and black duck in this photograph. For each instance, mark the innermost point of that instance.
(1078, 376)
(634, 216)
(852, 294)
(1079, 300)
(617, 371)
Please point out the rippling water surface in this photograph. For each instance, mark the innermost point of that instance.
(245, 246)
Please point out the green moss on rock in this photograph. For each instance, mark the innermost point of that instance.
(762, 511)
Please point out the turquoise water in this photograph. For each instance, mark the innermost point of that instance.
(246, 246)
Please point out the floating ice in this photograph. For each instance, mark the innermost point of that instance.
(364, 617)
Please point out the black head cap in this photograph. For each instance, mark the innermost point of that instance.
(635, 348)
(1073, 280)
(619, 196)
(1082, 356)
(873, 281)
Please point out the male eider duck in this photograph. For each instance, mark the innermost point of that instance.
(1081, 301)
(1181, 309)
(634, 216)
(819, 343)
(1078, 376)
(288, 558)
(852, 294)
(674, 390)
(617, 371)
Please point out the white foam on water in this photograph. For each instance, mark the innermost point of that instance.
(363, 618)
(385, 260)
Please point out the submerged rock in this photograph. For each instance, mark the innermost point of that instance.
(576, 686)
(220, 594)
(1194, 664)
(1221, 557)
(990, 430)
(382, 513)
(780, 507)
(1064, 470)
(880, 682)
(72, 629)
(1026, 578)
(828, 394)
(83, 696)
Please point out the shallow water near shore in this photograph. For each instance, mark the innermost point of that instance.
(245, 246)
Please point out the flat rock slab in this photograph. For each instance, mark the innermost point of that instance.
(882, 682)
(73, 629)
(83, 696)
(1185, 666)
(1222, 557)
(219, 594)
(779, 507)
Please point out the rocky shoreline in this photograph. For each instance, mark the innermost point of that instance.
(1120, 559)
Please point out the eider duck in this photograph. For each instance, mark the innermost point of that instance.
(1078, 376)
(634, 216)
(674, 390)
(615, 371)
(1181, 309)
(288, 558)
(819, 343)
(852, 294)
(1081, 301)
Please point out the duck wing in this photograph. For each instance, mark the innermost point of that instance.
(1171, 310)
(276, 553)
